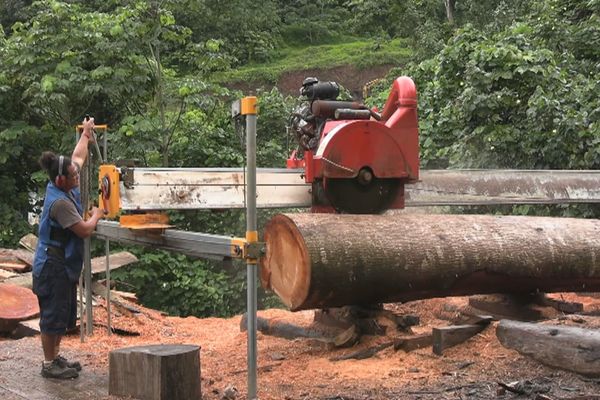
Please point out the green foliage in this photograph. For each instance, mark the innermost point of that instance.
(248, 30)
(313, 22)
(507, 101)
(359, 53)
(180, 286)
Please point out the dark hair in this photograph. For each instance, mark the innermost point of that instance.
(49, 162)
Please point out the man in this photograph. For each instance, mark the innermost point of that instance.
(59, 254)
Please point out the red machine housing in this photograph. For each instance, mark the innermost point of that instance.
(388, 147)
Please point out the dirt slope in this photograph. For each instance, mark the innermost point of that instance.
(348, 76)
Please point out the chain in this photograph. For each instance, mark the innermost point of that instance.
(337, 165)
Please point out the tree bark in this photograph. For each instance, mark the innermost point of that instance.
(450, 7)
(332, 260)
(570, 348)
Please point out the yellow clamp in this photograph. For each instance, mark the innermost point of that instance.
(245, 247)
(249, 105)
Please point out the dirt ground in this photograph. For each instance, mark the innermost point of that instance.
(303, 369)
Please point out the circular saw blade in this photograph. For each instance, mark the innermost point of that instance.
(353, 197)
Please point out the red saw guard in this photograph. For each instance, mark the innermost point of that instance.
(390, 147)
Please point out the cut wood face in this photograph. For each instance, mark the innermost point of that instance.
(17, 303)
(286, 267)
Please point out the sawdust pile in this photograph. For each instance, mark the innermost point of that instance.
(302, 368)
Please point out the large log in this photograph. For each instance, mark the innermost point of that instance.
(566, 347)
(332, 260)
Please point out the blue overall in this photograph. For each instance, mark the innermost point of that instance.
(56, 267)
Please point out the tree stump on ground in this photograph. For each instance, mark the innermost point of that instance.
(155, 372)
(16, 304)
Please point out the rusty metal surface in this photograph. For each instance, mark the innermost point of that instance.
(490, 187)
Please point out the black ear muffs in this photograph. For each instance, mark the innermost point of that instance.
(60, 180)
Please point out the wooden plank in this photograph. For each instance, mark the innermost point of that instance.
(29, 242)
(411, 343)
(26, 328)
(507, 306)
(449, 336)
(100, 290)
(25, 256)
(210, 188)
(132, 297)
(16, 266)
(565, 347)
(116, 260)
(4, 274)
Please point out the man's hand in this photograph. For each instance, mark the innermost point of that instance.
(88, 128)
(97, 213)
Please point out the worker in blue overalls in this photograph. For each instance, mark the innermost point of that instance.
(59, 254)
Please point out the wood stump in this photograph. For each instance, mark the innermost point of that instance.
(16, 304)
(155, 372)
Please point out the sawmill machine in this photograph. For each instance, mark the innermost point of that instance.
(350, 159)
(357, 160)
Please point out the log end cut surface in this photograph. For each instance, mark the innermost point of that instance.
(17, 303)
(286, 267)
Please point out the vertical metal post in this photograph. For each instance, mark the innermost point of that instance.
(251, 236)
(87, 256)
(107, 246)
(81, 322)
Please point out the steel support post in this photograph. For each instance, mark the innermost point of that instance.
(107, 246)
(251, 236)
(87, 256)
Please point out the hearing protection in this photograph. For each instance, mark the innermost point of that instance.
(60, 179)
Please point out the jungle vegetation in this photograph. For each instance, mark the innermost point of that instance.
(504, 84)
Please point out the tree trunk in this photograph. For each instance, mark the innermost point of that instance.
(332, 260)
(565, 347)
(16, 304)
(450, 7)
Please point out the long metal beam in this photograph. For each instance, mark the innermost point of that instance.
(209, 188)
(492, 187)
(203, 245)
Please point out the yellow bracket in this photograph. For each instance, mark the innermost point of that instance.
(247, 248)
(96, 127)
(109, 198)
(249, 105)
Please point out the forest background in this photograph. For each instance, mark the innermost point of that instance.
(502, 84)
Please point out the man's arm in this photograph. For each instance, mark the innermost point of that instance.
(65, 213)
(84, 229)
(81, 150)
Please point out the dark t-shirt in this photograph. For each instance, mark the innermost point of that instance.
(65, 213)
